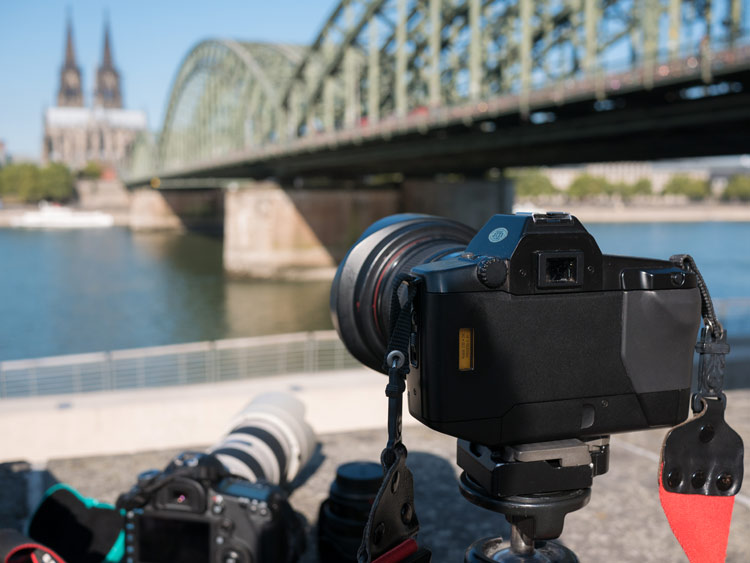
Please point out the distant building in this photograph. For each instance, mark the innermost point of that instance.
(624, 172)
(75, 134)
(3, 154)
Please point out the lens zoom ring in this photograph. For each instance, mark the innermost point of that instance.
(245, 458)
(270, 440)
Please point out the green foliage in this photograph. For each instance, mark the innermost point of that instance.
(532, 183)
(56, 183)
(586, 185)
(737, 188)
(27, 182)
(641, 187)
(693, 188)
(92, 171)
(20, 180)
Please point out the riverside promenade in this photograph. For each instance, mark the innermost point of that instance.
(99, 442)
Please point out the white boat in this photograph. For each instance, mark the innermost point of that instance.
(58, 217)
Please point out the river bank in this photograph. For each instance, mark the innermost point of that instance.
(7, 216)
(621, 212)
(654, 211)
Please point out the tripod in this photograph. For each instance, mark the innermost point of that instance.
(534, 486)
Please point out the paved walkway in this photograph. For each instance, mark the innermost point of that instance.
(623, 521)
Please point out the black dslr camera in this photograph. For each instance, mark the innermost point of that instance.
(228, 505)
(196, 512)
(531, 347)
(523, 332)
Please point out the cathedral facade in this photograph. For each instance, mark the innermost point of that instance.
(104, 132)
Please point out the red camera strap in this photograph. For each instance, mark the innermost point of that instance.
(700, 472)
(702, 459)
(700, 523)
(17, 548)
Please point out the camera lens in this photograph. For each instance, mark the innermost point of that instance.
(269, 440)
(343, 516)
(362, 289)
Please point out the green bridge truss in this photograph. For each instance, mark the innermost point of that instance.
(381, 61)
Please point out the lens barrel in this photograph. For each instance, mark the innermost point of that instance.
(343, 515)
(270, 440)
(362, 288)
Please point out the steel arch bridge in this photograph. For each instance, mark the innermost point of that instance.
(381, 70)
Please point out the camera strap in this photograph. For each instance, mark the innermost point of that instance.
(392, 526)
(701, 465)
(17, 548)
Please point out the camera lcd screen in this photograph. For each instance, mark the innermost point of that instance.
(167, 540)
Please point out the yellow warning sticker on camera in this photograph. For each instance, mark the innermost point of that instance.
(465, 349)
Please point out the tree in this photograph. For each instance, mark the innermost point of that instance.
(627, 191)
(26, 182)
(693, 188)
(532, 183)
(641, 187)
(92, 171)
(586, 185)
(20, 181)
(737, 188)
(56, 183)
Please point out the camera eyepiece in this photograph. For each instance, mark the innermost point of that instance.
(361, 290)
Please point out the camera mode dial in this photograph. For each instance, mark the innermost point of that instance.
(492, 271)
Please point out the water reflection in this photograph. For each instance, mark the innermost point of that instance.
(83, 291)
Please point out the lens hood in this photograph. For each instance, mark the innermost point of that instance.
(362, 288)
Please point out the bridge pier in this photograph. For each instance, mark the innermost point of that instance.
(471, 201)
(196, 209)
(272, 231)
(276, 231)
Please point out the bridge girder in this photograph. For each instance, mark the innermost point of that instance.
(383, 61)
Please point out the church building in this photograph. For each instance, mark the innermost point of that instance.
(104, 132)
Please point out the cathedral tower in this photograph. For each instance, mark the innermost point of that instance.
(107, 92)
(70, 93)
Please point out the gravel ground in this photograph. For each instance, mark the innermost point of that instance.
(623, 521)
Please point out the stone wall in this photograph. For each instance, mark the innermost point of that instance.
(196, 209)
(270, 231)
(471, 202)
(102, 194)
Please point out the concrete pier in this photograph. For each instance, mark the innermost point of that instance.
(195, 208)
(273, 231)
(470, 201)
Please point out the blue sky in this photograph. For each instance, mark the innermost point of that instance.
(149, 41)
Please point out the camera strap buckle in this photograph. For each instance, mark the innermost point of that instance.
(701, 465)
(392, 526)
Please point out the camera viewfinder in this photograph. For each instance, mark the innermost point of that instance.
(560, 269)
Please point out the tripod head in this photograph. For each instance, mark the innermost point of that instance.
(534, 486)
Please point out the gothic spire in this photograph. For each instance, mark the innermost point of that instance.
(70, 93)
(70, 52)
(107, 57)
(107, 93)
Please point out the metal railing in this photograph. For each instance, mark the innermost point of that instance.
(229, 360)
(179, 364)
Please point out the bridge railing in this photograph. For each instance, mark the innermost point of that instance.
(179, 364)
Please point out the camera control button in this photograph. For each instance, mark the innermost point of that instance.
(491, 272)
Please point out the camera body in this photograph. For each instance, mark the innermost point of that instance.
(531, 334)
(196, 512)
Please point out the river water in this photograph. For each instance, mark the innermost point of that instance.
(69, 292)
